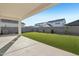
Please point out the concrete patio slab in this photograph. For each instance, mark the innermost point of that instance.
(28, 47)
(5, 39)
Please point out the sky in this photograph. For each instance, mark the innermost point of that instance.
(69, 11)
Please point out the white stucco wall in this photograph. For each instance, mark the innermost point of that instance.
(5, 24)
(9, 24)
(58, 23)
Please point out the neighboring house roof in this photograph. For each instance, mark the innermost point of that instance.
(57, 20)
(39, 23)
(75, 23)
(50, 25)
(44, 24)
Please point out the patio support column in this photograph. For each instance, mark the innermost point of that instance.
(19, 27)
(0, 26)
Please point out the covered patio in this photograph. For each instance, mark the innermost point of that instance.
(21, 11)
(18, 12)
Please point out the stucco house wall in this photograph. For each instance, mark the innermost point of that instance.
(57, 23)
(9, 26)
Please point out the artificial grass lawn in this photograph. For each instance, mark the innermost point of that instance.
(65, 42)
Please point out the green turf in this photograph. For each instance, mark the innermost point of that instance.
(65, 42)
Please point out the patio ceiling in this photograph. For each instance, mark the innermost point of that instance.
(20, 11)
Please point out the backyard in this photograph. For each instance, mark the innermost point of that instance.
(66, 42)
